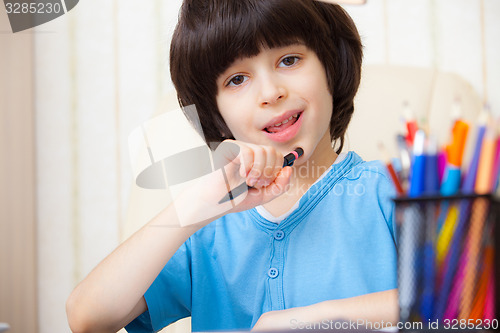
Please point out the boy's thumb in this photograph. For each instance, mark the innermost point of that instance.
(279, 185)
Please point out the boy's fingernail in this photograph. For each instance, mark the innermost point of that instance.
(261, 183)
(251, 181)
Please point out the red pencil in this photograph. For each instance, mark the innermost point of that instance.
(390, 169)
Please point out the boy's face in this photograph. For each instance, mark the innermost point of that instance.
(284, 86)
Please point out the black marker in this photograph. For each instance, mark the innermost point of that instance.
(288, 161)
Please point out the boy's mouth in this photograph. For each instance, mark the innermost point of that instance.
(286, 127)
(284, 124)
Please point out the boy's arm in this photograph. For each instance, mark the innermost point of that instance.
(113, 293)
(376, 308)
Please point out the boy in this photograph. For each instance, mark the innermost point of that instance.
(306, 244)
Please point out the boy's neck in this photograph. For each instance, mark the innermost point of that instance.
(322, 158)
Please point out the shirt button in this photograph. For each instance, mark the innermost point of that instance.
(279, 234)
(272, 273)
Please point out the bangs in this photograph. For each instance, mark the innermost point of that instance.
(249, 26)
(239, 29)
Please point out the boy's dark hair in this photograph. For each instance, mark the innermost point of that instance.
(212, 34)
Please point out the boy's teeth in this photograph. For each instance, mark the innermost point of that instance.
(282, 125)
(287, 120)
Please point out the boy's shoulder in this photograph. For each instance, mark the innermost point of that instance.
(371, 175)
(360, 168)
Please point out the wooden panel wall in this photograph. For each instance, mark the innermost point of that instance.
(18, 272)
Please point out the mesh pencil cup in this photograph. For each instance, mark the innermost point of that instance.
(448, 270)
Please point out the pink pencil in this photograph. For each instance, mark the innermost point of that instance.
(454, 297)
(489, 304)
(442, 157)
(496, 166)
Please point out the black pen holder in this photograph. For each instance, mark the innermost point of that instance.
(448, 266)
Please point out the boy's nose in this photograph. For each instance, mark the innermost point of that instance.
(271, 91)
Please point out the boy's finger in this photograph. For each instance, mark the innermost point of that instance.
(279, 185)
(259, 163)
(246, 160)
(278, 164)
(259, 196)
(270, 169)
(274, 167)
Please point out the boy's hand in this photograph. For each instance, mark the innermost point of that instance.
(260, 167)
(379, 308)
(288, 319)
(235, 163)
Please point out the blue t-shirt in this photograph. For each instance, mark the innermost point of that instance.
(339, 243)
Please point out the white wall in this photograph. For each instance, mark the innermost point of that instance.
(441, 34)
(101, 71)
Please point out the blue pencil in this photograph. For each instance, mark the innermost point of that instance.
(429, 273)
(410, 234)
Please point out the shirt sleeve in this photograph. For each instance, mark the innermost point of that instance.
(379, 252)
(386, 193)
(386, 196)
(169, 297)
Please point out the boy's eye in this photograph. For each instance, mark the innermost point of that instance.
(289, 61)
(237, 80)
